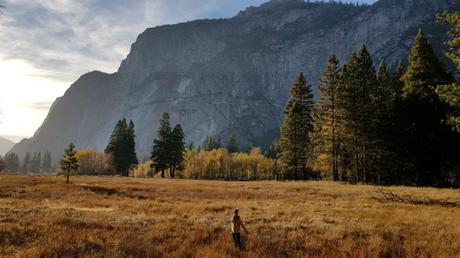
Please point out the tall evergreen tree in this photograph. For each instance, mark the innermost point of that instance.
(429, 141)
(12, 162)
(69, 164)
(402, 168)
(121, 147)
(116, 146)
(46, 166)
(131, 145)
(177, 150)
(347, 101)
(162, 147)
(397, 82)
(326, 121)
(211, 143)
(358, 83)
(38, 163)
(424, 73)
(383, 122)
(295, 131)
(273, 151)
(232, 145)
(450, 93)
(33, 163)
(26, 162)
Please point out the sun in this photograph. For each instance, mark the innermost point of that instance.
(26, 95)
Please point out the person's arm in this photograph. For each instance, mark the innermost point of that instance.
(242, 225)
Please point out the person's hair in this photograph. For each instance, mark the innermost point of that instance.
(236, 211)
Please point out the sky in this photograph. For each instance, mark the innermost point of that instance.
(47, 44)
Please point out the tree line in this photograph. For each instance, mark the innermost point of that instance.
(374, 126)
(34, 164)
(120, 156)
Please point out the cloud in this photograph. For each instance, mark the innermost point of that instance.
(73, 37)
(48, 44)
(45, 105)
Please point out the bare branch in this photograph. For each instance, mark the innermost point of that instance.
(387, 196)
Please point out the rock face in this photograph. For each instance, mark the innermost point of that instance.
(218, 77)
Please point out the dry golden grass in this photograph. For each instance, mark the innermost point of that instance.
(41, 216)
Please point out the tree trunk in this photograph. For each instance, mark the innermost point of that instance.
(355, 169)
(173, 171)
(335, 174)
(365, 164)
(162, 173)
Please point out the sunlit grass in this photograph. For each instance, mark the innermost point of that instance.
(113, 217)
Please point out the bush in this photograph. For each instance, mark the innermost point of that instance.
(142, 170)
(220, 164)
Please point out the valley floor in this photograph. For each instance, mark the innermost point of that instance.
(123, 217)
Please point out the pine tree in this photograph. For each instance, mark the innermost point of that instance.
(177, 145)
(116, 146)
(232, 145)
(69, 164)
(326, 121)
(12, 162)
(383, 122)
(161, 146)
(401, 166)
(121, 147)
(369, 89)
(424, 73)
(130, 148)
(46, 166)
(347, 101)
(33, 163)
(273, 151)
(358, 84)
(397, 82)
(38, 163)
(295, 131)
(450, 93)
(26, 162)
(429, 143)
(211, 143)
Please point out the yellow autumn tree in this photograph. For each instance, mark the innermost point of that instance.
(93, 162)
(220, 164)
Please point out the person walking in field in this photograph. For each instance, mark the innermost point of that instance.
(237, 224)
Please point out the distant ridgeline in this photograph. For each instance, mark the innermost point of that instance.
(232, 76)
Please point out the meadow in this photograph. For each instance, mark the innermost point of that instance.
(41, 216)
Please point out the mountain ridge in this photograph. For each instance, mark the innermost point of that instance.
(5, 145)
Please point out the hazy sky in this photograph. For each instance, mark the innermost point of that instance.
(47, 44)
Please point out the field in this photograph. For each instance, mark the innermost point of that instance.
(41, 216)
